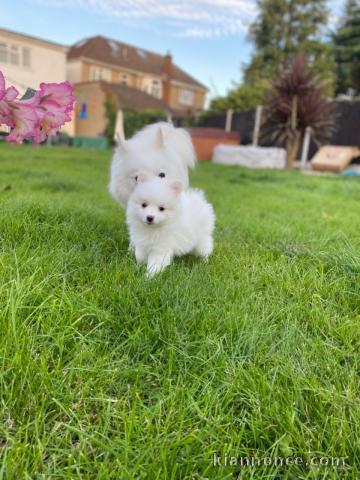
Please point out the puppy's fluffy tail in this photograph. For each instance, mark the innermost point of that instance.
(181, 142)
(176, 139)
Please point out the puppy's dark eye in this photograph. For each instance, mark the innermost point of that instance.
(144, 205)
(161, 209)
(162, 175)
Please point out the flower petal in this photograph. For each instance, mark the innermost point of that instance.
(6, 114)
(38, 116)
(2, 85)
(11, 93)
(26, 122)
(57, 95)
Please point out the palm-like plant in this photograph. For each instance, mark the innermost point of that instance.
(296, 102)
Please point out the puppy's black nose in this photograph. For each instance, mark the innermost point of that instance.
(150, 218)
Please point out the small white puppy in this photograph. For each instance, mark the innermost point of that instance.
(166, 221)
(160, 150)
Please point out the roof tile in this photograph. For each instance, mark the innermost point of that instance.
(127, 56)
(133, 98)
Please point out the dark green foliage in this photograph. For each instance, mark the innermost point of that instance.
(135, 121)
(197, 121)
(282, 29)
(298, 100)
(285, 28)
(110, 113)
(241, 98)
(347, 49)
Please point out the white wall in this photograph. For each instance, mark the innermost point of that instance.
(74, 71)
(47, 63)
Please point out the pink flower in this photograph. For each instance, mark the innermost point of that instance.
(6, 95)
(24, 122)
(57, 96)
(49, 124)
(39, 116)
(53, 103)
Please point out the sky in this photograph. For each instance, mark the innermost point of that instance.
(207, 38)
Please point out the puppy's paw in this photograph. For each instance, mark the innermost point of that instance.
(153, 270)
(157, 263)
(140, 256)
(204, 249)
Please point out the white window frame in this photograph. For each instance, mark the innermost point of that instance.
(13, 54)
(3, 52)
(100, 73)
(186, 97)
(124, 78)
(154, 88)
(26, 61)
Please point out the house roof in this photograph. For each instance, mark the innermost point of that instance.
(133, 98)
(24, 36)
(127, 56)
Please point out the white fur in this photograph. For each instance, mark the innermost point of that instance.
(157, 148)
(185, 226)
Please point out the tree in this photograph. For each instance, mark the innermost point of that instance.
(285, 28)
(241, 97)
(298, 101)
(282, 29)
(347, 49)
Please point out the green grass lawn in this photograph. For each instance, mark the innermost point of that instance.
(107, 374)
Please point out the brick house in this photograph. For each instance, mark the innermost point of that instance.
(90, 119)
(135, 78)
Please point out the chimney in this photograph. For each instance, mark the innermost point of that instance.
(167, 71)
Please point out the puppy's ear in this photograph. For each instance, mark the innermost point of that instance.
(177, 186)
(121, 142)
(160, 137)
(142, 177)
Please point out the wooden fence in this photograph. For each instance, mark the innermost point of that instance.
(346, 132)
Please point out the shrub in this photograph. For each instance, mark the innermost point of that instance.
(110, 112)
(135, 121)
(297, 101)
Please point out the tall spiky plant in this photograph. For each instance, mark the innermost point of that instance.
(297, 101)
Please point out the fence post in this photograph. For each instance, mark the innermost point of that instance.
(228, 121)
(257, 124)
(305, 147)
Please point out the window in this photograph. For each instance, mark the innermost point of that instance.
(98, 73)
(14, 55)
(124, 78)
(26, 57)
(155, 88)
(3, 52)
(186, 97)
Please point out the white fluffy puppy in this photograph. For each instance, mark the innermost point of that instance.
(160, 150)
(166, 221)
